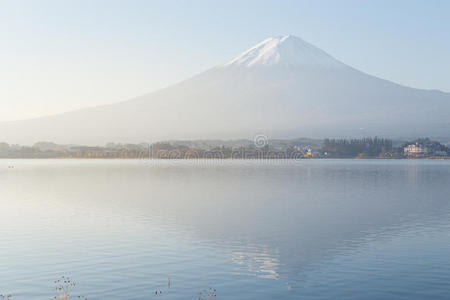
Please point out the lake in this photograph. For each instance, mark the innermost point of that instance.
(308, 229)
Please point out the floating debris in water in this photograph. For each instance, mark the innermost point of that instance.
(207, 295)
(64, 287)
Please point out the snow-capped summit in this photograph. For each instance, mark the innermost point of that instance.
(285, 50)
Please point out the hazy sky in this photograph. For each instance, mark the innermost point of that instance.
(61, 55)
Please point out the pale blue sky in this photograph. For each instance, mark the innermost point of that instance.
(60, 55)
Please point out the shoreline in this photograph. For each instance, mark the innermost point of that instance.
(230, 159)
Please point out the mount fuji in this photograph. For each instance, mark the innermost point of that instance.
(282, 87)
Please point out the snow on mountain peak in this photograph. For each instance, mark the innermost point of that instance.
(285, 50)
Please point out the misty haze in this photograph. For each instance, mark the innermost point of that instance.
(224, 149)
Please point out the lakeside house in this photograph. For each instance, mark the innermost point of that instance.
(416, 150)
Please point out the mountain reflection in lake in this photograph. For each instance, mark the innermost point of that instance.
(312, 229)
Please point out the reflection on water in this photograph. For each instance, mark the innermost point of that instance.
(253, 230)
(256, 260)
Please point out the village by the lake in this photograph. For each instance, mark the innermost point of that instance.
(302, 148)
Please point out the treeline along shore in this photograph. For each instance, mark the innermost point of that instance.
(422, 148)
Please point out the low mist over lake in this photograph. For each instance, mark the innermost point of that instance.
(322, 229)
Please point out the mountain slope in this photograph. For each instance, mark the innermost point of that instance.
(282, 87)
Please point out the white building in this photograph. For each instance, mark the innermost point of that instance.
(415, 150)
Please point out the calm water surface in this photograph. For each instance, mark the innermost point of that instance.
(313, 229)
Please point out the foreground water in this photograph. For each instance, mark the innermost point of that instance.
(312, 229)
